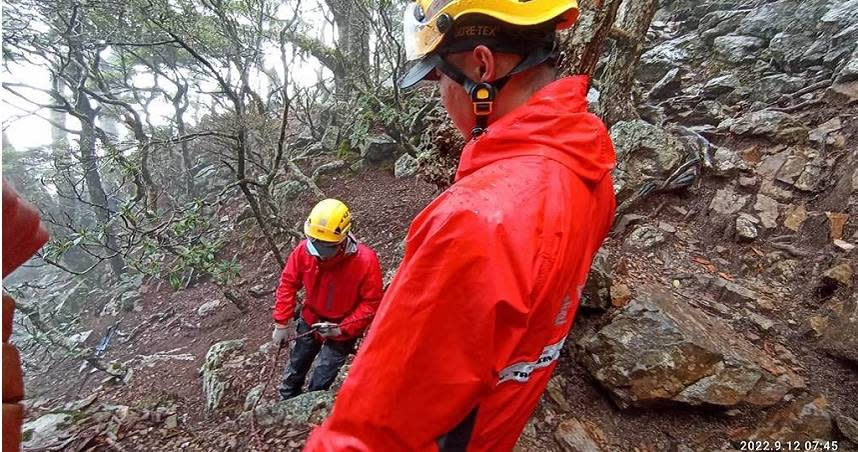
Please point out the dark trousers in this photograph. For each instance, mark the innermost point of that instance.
(332, 357)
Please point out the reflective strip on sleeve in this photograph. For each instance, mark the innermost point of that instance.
(521, 372)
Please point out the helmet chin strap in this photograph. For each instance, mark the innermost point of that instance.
(483, 94)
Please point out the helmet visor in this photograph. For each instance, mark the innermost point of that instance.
(322, 250)
(421, 35)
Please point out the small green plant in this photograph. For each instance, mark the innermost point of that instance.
(345, 150)
(202, 258)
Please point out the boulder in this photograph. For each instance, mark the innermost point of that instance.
(286, 192)
(330, 139)
(848, 90)
(620, 295)
(597, 291)
(767, 209)
(767, 123)
(802, 169)
(748, 181)
(719, 23)
(849, 71)
(729, 164)
(661, 59)
(127, 302)
(839, 26)
(303, 140)
(573, 436)
(312, 407)
(659, 350)
(593, 96)
(815, 54)
(738, 49)
(218, 355)
(705, 113)
(379, 148)
(77, 339)
(729, 293)
(840, 331)
(803, 34)
(746, 228)
(644, 152)
(71, 298)
(848, 427)
(794, 51)
(644, 238)
(208, 308)
(125, 297)
(805, 419)
(721, 85)
(253, 395)
(727, 202)
(556, 393)
(405, 166)
(828, 133)
(795, 217)
(668, 86)
(765, 21)
(358, 166)
(171, 422)
(770, 88)
(838, 275)
(44, 430)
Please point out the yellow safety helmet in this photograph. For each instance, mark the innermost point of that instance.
(426, 22)
(329, 221)
(434, 28)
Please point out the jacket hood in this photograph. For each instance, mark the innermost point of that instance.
(553, 123)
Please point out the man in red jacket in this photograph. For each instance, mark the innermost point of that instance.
(342, 282)
(470, 328)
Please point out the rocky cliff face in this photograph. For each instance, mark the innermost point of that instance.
(721, 308)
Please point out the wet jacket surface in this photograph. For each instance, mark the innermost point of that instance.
(470, 329)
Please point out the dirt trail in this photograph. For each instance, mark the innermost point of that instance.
(383, 207)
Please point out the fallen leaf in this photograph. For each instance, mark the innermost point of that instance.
(726, 276)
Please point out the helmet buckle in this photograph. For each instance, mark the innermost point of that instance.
(483, 96)
(483, 108)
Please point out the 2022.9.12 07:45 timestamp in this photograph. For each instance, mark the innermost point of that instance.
(788, 445)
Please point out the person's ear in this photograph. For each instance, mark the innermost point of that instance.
(486, 64)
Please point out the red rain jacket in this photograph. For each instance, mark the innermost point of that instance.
(23, 231)
(470, 328)
(23, 235)
(344, 290)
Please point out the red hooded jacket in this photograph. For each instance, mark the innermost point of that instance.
(470, 329)
(23, 235)
(344, 290)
